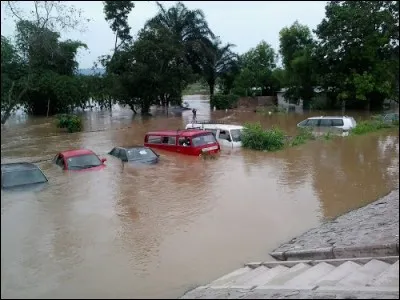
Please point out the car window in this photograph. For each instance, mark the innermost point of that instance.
(184, 141)
(204, 140)
(337, 122)
(303, 123)
(169, 140)
(140, 154)
(236, 135)
(213, 131)
(312, 122)
(83, 161)
(154, 139)
(224, 135)
(325, 123)
(22, 177)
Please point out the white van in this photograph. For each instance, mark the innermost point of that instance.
(226, 135)
(342, 123)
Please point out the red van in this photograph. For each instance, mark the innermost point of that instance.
(191, 142)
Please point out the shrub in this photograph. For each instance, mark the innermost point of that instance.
(256, 138)
(224, 101)
(304, 135)
(72, 122)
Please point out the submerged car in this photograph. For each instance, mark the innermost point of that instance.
(226, 135)
(21, 175)
(190, 142)
(81, 159)
(342, 123)
(137, 154)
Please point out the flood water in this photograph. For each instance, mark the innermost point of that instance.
(157, 231)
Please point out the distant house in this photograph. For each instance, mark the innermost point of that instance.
(319, 98)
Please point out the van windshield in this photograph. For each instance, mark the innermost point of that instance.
(202, 140)
(236, 135)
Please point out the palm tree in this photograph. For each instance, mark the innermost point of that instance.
(217, 61)
(189, 28)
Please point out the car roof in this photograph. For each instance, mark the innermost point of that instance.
(329, 117)
(77, 152)
(185, 132)
(214, 126)
(20, 166)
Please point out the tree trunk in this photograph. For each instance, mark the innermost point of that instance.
(343, 107)
(133, 109)
(211, 85)
(48, 108)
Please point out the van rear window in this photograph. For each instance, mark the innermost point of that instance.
(203, 140)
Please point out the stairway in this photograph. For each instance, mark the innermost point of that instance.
(374, 275)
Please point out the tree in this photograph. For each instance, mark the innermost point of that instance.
(47, 62)
(297, 48)
(116, 13)
(188, 28)
(14, 83)
(216, 62)
(257, 67)
(359, 51)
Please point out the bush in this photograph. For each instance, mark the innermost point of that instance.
(224, 101)
(72, 122)
(256, 138)
(304, 135)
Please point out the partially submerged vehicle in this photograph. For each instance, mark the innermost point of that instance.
(340, 125)
(226, 135)
(190, 142)
(136, 154)
(22, 174)
(80, 159)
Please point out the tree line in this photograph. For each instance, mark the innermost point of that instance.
(352, 55)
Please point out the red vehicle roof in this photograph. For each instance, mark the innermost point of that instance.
(185, 132)
(78, 152)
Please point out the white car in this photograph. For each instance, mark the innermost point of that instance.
(226, 135)
(343, 123)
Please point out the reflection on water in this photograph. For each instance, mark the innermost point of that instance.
(156, 231)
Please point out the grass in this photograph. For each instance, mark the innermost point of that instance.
(256, 138)
(373, 125)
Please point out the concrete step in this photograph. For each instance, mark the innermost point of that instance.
(265, 277)
(241, 280)
(289, 274)
(362, 276)
(231, 276)
(332, 278)
(388, 278)
(310, 276)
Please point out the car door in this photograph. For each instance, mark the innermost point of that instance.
(224, 138)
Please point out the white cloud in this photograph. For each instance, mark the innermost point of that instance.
(244, 23)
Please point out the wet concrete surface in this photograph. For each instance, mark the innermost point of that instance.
(158, 231)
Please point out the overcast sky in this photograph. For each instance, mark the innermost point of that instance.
(243, 23)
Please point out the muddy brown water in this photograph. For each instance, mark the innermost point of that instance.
(129, 232)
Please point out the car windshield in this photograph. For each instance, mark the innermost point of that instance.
(203, 140)
(83, 161)
(236, 135)
(22, 177)
(140, 154)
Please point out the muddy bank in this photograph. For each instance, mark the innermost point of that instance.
(374, 224)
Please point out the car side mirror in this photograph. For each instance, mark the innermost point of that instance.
(103, 160)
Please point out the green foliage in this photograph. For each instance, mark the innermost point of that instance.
(257, 67)
(372, 125)
(358, 51)
(221, 101)
(256, 138)
(302, 137)
(296, 48)
(71, 122)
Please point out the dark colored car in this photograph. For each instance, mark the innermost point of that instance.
(137, 154)
(21, 174)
